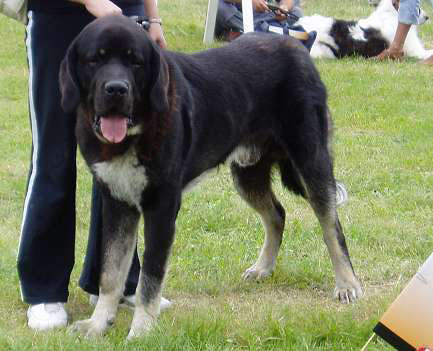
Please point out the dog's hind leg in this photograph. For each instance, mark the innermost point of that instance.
(312, 176)
(253, 183)
(118, 243)
(320, 190)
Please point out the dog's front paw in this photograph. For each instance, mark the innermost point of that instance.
(88, 328)
(257, 272)
(347, 292)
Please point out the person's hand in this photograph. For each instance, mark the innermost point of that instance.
(280, 16)
(287, 5)
(156, 34)
(260, 6)
(100, 8)
(391, 54)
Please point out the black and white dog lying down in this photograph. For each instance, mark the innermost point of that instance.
(366, 37)
(150, 121)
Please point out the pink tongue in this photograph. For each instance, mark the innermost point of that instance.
(114, 128)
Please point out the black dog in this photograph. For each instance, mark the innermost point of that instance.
(150, 121)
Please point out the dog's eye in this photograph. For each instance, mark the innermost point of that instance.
(92, 61)
(137, 64)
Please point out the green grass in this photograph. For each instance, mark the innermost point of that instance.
(383, 149)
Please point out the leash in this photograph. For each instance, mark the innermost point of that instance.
(275, 9)
(142, 21)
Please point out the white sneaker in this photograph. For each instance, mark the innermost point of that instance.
(129, 302)
(341, 195)
(45, 316)
(165, 303)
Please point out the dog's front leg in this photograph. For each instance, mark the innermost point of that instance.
(118, 243)
(159, 233)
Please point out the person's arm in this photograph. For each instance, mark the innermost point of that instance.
(99, 8)
(399, 37)
(405, 21)
(155, 27)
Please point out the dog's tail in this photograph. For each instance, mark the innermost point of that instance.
(291, 178)
(309, 154)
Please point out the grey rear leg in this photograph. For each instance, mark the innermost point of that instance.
(347, 288)
(319, 188)
(253, 184)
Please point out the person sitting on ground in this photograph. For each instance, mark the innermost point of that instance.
(267, 18)
(291, 6)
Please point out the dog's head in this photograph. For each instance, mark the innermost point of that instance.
(116, 75)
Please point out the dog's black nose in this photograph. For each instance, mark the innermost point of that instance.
(116, 88)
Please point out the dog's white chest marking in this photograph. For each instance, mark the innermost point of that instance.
(124, 176)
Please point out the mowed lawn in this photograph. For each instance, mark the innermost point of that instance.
(383, 146)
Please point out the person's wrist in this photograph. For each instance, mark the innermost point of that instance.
(155, 20)
(396, 46)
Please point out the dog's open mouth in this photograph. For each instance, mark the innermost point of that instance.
(113, 128)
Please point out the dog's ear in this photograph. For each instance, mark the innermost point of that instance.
(69, 86)
(158, 95)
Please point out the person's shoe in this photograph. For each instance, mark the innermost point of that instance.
(45, 316)
(389, 54)
(428, 61)
(341, 195)
(129, 302)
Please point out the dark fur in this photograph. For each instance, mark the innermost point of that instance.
(261, 91)
(348, 46)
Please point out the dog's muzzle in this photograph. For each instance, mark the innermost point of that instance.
(113, 122)
(112, 129)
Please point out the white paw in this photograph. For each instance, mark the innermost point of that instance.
(140, 329)
(348, 292)
(88, 328)
(256, 272)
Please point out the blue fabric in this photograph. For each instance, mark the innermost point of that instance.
(408, 12)
(229, 18)
(66, 6)
(46, 250)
